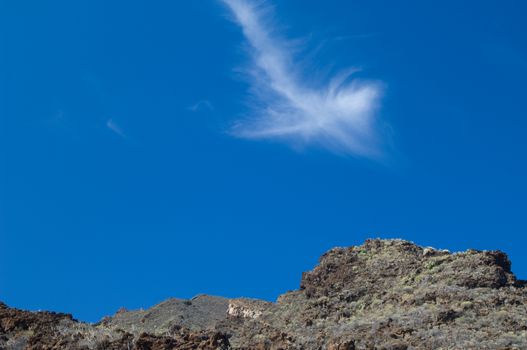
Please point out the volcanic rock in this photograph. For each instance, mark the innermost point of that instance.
(384, 294)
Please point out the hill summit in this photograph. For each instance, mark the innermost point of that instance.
(384, 294)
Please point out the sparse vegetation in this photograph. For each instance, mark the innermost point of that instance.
(385, 294)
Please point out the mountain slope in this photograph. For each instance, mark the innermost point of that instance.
(384, 294)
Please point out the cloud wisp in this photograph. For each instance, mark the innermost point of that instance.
(201, 105)
(337, 114)
(110, 124)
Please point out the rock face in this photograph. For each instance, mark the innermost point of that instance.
(384, 294)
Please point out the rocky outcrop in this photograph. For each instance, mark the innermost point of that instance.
(248, 308)
(48, 331)
(384, 294)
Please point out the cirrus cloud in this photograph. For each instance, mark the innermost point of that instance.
(337, 114)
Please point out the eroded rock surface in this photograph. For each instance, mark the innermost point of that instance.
(384, 294)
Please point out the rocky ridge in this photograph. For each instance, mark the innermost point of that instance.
(384, 294)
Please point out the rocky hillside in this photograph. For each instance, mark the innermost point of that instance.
(384, 294)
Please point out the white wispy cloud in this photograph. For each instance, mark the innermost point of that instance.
(338, 113)
(201, 105)
(112, 125)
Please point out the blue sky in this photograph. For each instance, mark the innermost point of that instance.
(164, 149)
